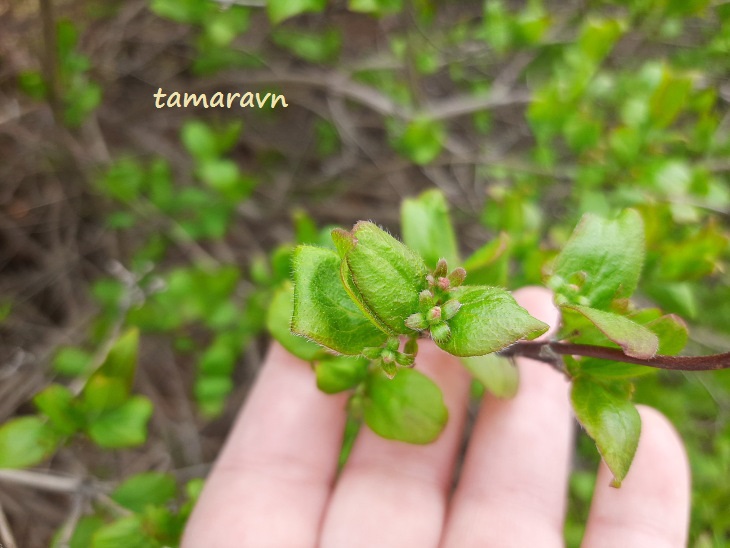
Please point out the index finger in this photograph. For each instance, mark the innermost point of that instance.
(273, 478)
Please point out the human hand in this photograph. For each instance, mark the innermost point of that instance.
(275, 482)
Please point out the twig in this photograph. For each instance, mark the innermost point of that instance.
(550, 351)
(69, 526)
(6, 534)
(43, 481)
(50, 61)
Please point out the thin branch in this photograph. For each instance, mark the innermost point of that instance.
(43, 481)
(6, 533)
(550, 351)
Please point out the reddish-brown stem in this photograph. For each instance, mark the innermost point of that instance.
(549, 352)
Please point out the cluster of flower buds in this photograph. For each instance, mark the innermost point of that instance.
(436, 307)
(391, 357)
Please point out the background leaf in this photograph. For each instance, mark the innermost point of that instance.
(427, 228)
(26, 441)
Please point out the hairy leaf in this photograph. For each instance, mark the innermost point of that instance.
(323, 311)
(279, 321)
(387, 275)
(489, 320)
(611, 420)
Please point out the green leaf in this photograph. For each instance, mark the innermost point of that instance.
(498, 375)
(71, 361)
(669, 98)
(489, 265)
(279, 10)
(128, 532)
(427, 228)
(84, 532)
(338, 373)
(407, 408)
(422, 141)
(26, 441)
(279, 320)
(182, 11)
(601, 261)
(221, 27)
(102, 393)
(147, 488)
(124, 426)
(376, 7)
(611, 420)
(672, 333)
(121, 361)
(323, 311)
(489, 320)
(57, 403)
(315, 47)
(635, 340)
(388, 275)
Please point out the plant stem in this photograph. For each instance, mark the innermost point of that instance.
(550, 352)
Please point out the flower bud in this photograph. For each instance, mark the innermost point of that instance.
(417, 322)
(444, 283)
(405, 360)
(441, 269)
(450, 308)
(433, 315)
(426, 298)
(457, 277)
(441, 332)
(389, 368)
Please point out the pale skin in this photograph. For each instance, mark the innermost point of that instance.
(275, 482)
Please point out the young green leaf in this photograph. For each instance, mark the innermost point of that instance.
(635, 340)
(489, 320)
(388, 275)
(124, 426)
(427, 228)
(489, 265)
(338, 373)
(407, 408)
(121, 361)
(422, 141)
(611, 420)
(57, 403)
(498, 375)
(323, 311)
(279, 320)
(26, 441)
(127, 531)
(601, 262)
(147, 488)
(279, 10)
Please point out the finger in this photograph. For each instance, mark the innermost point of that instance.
(652, 506)
(392, 493)
(512, 491)
(272, 480)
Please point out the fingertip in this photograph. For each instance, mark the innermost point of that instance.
(653, 502)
